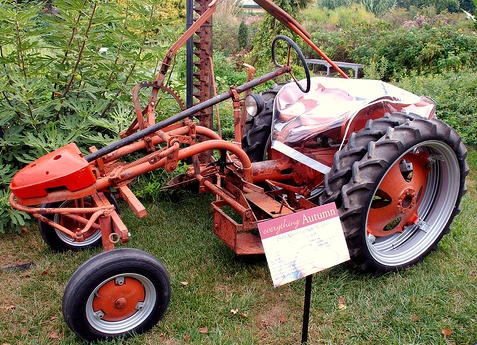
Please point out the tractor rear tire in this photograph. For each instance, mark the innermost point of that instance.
(402, 195)
(116, 293)
(355, 150)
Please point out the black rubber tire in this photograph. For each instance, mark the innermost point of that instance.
(437, 205)
(353, 151)
(59, 241)
(117, 275)
(258, 129)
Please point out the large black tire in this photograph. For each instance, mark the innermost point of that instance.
(355, 150)
(258, 129)
(401, 195)
(116, 293)
(59, 241)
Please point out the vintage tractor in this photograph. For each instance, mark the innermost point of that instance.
(395, 172)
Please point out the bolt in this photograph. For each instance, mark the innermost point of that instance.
(120, 303)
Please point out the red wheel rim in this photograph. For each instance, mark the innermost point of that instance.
(119, 299)
(397, 198)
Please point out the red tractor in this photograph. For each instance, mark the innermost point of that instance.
(394, 171)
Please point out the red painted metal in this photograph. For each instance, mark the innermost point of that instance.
(63, 169)
(398, 197)
(118, 301)
(240, 202)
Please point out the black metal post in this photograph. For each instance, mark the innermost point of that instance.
(306, 310)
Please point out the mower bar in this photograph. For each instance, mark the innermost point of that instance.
(186, 113)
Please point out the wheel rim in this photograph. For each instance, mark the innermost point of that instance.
(121, 303)
(90, 238)
(421, 207)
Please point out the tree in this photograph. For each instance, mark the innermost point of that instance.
(243, 35)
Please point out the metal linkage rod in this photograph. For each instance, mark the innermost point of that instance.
(184, 114)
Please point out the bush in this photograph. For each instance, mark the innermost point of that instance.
(66, 76)
(226, 22)
(456, 98)
(435, 45)
(378, 7)
(429, 50)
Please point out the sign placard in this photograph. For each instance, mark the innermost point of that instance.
(303, 243)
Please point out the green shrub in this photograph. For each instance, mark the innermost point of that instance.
(431, 43)
(378, 7)
(456, 98)
(243, 35)
(67, 74)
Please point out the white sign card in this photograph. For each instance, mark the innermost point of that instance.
(303, 243)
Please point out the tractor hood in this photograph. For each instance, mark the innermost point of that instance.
(339, 106)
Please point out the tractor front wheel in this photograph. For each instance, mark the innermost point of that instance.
(403, 195)
(116, 293)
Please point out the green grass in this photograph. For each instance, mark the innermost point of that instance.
(409, 307)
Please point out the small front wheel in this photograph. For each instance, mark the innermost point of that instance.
(116, 293)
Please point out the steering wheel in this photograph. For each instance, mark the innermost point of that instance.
(293, 45)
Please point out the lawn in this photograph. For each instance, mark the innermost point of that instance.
(218, 298)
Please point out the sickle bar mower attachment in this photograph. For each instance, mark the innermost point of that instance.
(66, 175)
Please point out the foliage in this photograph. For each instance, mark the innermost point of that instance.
(378, 7)
(433, 45)
(355, 15)
(67, 72)
(150, 186)
(467, 5)
(440, 5)
(8, 216)
(243, 35)
(268, 28)
(226, 20)
(230, 23)
(428, 50)
(456, 96)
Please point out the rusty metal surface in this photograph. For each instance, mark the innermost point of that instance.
(232, 177)
(282, 16)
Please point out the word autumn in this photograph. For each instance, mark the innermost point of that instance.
(288, 224)
(315, 217)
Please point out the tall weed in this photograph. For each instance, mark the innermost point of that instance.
(66, 75)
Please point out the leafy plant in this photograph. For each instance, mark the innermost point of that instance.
(67, 72)
(455, 95)
(378, 7)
